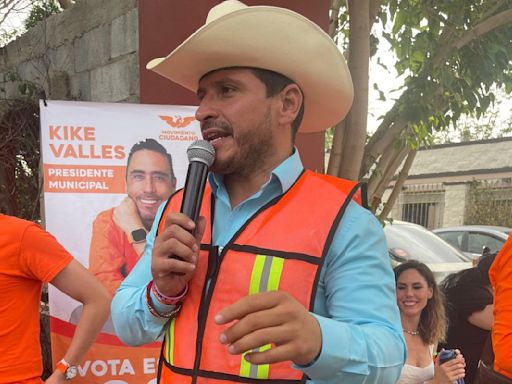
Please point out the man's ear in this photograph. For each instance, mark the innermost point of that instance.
(291, 100)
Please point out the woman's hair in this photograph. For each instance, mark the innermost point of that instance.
(455, 285)
(484, 265)
(433, 323)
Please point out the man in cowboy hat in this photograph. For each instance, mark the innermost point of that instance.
(287, 277)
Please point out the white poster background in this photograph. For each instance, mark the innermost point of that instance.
(66, 142)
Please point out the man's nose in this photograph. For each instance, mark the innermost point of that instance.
(149, 185)
(207, 110)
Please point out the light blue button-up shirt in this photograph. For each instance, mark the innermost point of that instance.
(355, 303)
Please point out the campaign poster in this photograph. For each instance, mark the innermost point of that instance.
(85, 151)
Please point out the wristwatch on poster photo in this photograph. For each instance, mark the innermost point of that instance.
(67, 369)
(137, 236)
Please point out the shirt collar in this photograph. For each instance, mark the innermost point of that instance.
(286, 173)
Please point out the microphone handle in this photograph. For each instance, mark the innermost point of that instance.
(194, 190)
(193, 194)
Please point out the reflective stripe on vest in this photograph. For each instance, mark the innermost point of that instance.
(265, 277)
(169, 346)
(273, 251)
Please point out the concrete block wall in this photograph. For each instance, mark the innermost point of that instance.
(88, 52)
(455, 200)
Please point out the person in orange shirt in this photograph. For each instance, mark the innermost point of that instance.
(119, 233)
(500, 275)
(29, 257)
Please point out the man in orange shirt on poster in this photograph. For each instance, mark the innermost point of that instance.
(29, 257)
(501, 280)
(119, 233)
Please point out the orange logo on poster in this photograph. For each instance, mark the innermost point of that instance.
(177, 121)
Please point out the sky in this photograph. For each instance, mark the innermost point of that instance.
(16, 16)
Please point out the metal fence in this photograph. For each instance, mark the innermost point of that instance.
(423, 204)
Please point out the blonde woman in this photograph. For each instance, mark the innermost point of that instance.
(424, 324)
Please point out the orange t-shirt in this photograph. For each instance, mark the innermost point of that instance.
(111, 256)
(29, 256)
(501, 280)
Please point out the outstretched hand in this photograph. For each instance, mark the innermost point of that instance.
(271, 318)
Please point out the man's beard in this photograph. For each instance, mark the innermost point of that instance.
(251, 149)
(147, 222)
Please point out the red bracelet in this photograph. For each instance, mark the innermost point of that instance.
(168, 315)
(168, 300)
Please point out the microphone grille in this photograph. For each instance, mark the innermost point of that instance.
(201, 150)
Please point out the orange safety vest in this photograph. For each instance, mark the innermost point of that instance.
(500, 275)
(282, 247)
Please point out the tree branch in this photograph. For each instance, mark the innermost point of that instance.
(8, 6)
(390, 161)
(333, 168)
(484, 27)
(402, 176)
(445, 38)
(388, 131)
(358, 64)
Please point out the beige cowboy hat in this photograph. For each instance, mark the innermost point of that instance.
(277, 39)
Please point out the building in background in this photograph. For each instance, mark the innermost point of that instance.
(458, 184)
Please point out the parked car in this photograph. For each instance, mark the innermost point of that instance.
(411, 241)
(471, 239)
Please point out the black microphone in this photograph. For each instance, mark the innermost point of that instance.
(201, 155)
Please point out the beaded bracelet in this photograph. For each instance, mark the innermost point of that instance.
(168, 300)
(168, 315)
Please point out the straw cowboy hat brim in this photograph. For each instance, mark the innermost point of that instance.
(270, 38)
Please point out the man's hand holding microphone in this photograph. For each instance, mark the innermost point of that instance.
(176, 249)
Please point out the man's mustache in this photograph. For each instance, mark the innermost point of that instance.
(217, 124)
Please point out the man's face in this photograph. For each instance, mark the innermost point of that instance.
(149, 183)
(236, 116)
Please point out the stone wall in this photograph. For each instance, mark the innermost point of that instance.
(88, 52)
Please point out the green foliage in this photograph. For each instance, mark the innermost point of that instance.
(442, 82)
(26, 88)
(489, 205)
(7, 36)
(488, 126)
(40, 11)
(329, 135)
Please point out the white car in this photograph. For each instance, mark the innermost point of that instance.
(412, 241)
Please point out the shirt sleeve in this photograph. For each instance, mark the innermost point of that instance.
(133, 322)
(42, 257)
(362, 338)
(105, 254)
